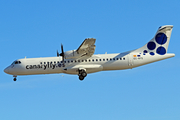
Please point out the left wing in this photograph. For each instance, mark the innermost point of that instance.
(87, 48)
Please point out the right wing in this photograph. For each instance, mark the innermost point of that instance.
(87, 48)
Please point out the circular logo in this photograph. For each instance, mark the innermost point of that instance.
(161, 38)
(145, 51)
(161, 50)
(152, 53)
(151, 45)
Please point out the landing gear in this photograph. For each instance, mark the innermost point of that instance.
(15, 78)
(82, 74)
(81, 77)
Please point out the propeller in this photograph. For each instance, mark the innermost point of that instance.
(61, 54)
(57, 53)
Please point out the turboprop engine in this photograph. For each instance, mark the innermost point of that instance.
(68, 54)
(87, 48)
(71, 54)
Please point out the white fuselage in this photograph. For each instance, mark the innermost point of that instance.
(83, 61)
(96, 63)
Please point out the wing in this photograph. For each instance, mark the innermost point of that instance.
(87, 48)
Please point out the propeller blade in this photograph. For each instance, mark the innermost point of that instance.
(62, 54)
(57, 53)
(62, 49)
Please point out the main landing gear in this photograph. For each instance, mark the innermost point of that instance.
(82, 74)
(14, 77)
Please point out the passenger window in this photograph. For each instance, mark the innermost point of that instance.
(89, 60)
(96, 59)
(110, 59)
(120, 58)
(64, 61)
(68, 61)
(116, 58)
(75, 61)
(82, 60)
(71, 60)
(113, 58)
(99, 59)
(107, 59)
(85, 60)
(78, 60)
(123, 58)
(55, 62)
(93, 60)
(103, 59)
(58, 62)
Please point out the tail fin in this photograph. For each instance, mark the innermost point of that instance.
(159, 44)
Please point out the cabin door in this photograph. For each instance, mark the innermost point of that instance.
(130, 60)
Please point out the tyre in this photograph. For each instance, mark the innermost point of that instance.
(14, 79)
(84, 74)
(81, 77)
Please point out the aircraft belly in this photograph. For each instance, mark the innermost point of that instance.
(88, 68)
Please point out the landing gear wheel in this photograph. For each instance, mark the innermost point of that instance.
(84, 74)
(14, 79)
(81, 77)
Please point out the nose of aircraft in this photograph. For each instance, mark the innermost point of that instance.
(6, 70)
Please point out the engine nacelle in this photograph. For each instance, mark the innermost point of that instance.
(71, 54)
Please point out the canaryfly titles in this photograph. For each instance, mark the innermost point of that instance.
(44, 66)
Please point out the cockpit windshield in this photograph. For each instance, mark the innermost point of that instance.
(16, 62)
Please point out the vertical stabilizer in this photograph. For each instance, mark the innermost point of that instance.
(159, 44)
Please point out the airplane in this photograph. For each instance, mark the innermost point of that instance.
(82, 61)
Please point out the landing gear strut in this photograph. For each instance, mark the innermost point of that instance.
(82, 74)
(15, 78)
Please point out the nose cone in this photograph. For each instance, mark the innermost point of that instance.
(6, 70)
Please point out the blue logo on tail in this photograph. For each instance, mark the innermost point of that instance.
(160, 39)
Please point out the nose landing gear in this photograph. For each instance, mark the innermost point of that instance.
(14, 77)
(82, 74)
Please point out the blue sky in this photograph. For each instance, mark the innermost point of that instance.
(37, 28)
